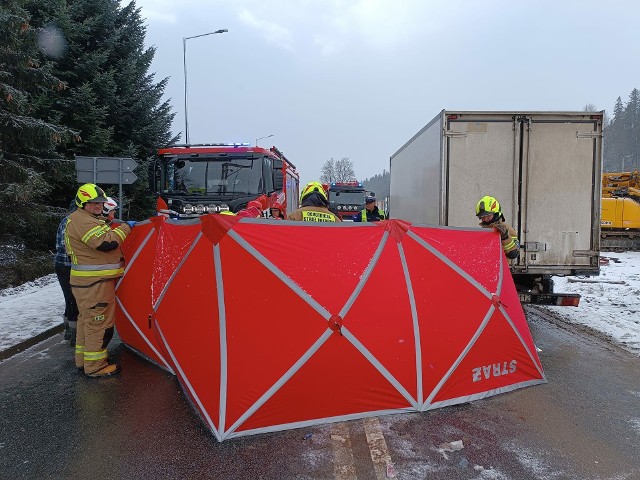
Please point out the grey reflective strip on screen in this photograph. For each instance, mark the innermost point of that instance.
(217, 262)
(144, 337)
(135, 255)
(365, 275)
(176, 270)
(481, 395)
(318, 421)
(524, 344)
(378, 366)
(278, 273)
(451, 264)
(186, 381)
(416, 326)
(281, 381)
(453, 367)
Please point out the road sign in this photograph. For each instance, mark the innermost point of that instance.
(107, 177)
(106, 170)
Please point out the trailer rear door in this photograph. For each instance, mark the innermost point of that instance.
(481, 158)
(560, 199)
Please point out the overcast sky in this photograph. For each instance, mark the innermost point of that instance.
(358, 78)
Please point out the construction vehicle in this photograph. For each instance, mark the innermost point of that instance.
(191, 180)
(543, 167)
(346, 198)
(620, 215)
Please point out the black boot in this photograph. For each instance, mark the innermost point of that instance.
(72, 333)
(67, 329)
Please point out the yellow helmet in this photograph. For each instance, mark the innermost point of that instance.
(313, 187)
(488, 205)
(90, 193)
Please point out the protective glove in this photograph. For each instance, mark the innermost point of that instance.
(502, 229)
(131, 223)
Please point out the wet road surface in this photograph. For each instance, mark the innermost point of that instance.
(583, 424)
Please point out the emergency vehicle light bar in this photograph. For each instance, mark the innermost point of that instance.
(346, 184)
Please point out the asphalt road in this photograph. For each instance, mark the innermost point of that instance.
(583, 424)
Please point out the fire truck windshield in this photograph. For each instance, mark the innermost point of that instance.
(346, 197)
(214, 177)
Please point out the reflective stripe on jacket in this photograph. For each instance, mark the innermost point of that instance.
(94, 248)
(313, 214)
(511, 244)
(369, 216)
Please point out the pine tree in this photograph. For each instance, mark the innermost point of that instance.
(25, 138)
(112, 99)
(632, 114)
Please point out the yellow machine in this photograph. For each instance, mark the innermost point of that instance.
(620, 213)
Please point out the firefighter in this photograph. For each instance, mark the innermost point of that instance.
(253, 210)
(62, 264)
(96, 264)
(370, 212)
(490, 215)
(314, 205)
(276, 211)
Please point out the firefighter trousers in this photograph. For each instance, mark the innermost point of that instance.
(96, 304)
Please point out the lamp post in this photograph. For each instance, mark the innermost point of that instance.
(268, 136)
(184, 64)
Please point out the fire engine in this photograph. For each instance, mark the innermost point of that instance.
(191, 180)
(346, 198)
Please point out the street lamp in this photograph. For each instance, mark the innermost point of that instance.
(184, 63)
(268, 136)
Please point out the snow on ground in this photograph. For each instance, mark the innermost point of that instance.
(29, 309)
(610, 303)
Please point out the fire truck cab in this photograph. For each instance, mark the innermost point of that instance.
(193, 180)
(346, 198)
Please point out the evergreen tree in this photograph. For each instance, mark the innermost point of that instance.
(632, 115)
(379, 183)
(27, 143)
(112, 98)
(613, 137)
(25, 137)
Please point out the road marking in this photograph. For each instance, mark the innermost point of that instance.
(382, 464)
(343, 467)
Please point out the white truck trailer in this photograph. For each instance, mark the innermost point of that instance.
(543, 167)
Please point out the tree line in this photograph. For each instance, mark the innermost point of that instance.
(74, 80)
(622, 135)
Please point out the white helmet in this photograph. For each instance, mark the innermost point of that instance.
(109, 206)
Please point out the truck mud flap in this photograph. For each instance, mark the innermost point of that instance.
(558, 299)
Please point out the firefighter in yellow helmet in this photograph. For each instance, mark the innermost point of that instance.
(314, 205)
(490, 215)
(96, 264)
